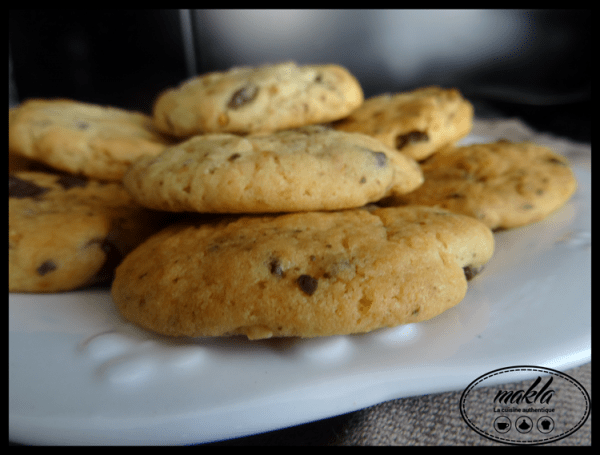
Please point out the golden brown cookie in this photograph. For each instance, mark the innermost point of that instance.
(502, 184)
(265, 98)
(303, 274)
(96, 141)
(65, 232)
(415, 123)
(310, 168)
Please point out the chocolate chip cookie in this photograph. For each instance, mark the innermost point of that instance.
(265, 98)
(80, 138)
(302, 274)
(310, 168)
(502, 184)
(415, 123)
(65, 231)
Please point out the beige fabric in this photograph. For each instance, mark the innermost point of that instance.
(428, 420)
(436, 420)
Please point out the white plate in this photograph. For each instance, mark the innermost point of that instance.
(79, 374)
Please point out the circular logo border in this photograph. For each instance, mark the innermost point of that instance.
(531, 368)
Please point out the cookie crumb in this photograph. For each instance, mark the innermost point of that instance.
(275, 268)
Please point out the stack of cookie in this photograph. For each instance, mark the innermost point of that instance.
(290, 161)
(71, 221)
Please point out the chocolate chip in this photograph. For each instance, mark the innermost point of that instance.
(46, 267)
(455, 196)
(275, 268)
(71, 181)
(243, 96)
(381, 159)
(307, 284)
(212, 248)
(554, 160)
(470, 272)
(410, 138)
(234, 157)
(19, 188)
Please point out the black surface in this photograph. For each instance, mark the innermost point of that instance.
(569, 120)
(114, 57)
(126, 58)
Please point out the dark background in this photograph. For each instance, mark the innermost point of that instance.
(531, 64)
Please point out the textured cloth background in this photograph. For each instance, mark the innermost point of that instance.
(436, 419)
(427, 420)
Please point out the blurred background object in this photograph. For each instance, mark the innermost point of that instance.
(532, 64)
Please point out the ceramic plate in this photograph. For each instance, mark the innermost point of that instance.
(79, 374)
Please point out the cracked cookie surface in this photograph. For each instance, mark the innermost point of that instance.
(265, 98)
(415, 123)
(503, 184)
(65, 231)
(302, 274)
(310, 168)
(96, 141)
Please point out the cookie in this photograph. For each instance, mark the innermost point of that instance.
(302, 274)
(502, 184)
(65, 232)
(415, 123)
(310, 168)
(94, 141)
(266, 98)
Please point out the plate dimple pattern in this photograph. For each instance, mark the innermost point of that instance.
(404, 334)
(326, 351)
(123, 359)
